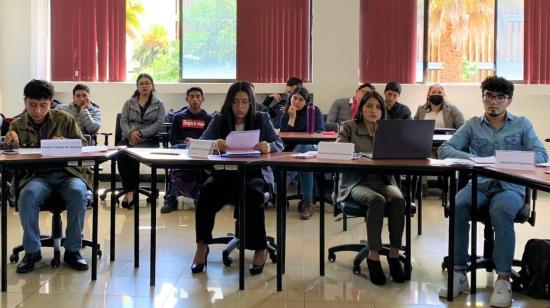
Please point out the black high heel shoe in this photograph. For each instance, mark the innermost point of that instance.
(257, 269)
(128, 205)
(201, 267)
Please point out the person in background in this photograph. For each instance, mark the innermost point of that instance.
(275, 103)
(377, 193)
(445, 114)
(187, 124)
(496, 129)
(394, 109)
(344, 109)
(141, 120)
(295, 120)
(84, 110)
(73, 184)
(238, 113)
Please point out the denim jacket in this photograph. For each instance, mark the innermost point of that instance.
(481, 139)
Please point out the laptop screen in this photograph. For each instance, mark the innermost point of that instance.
(398, 139)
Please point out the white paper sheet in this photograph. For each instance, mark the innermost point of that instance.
(95, 148)
(522, 160)
(242, 140)
(61, 147)
(483, 160)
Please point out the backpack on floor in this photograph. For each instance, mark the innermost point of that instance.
(535, 269)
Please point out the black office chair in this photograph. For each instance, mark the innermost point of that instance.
(350, 209)
(119, 191)
(232, 242)
(55, 205)
(485, 261)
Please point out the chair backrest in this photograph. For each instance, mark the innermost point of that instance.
(118, 130)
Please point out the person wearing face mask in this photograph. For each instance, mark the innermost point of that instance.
(437, 108)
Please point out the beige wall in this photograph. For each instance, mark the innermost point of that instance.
(335, 62)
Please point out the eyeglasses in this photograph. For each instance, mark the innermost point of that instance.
(144, 83)
(488, 98)
(241, 104)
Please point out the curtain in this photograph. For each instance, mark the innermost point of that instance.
(536, 49)
(88, 39)
(387, 41)
(273, 40)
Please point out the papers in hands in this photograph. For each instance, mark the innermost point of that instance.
(242, 140)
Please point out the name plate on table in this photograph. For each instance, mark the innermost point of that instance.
(333, 150)
(523, 160)
(64, 147)
(200, 148)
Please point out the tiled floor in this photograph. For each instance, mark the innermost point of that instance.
(119, 284)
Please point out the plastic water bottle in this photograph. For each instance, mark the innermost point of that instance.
(310, 118)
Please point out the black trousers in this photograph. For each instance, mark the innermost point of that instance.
(222, 188)
(126, 163)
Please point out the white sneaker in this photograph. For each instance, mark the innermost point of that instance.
(460, 284)
(502, 294)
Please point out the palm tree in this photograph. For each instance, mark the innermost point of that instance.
(134, 8)
(457, 29)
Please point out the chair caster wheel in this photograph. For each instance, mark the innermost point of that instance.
(331, 257)
(227, 261)
(99, 253)
(102, 197)
(14, 258)
(356, 269)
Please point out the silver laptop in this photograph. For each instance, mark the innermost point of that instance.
(399, 139)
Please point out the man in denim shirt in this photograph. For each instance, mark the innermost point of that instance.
(497, 129)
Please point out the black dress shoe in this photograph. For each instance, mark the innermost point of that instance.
(27, 264)
(376, 274)
(257, 269)
(396, 270)
(75, 260)
(128, 205)
(170, 205)
(200, 267)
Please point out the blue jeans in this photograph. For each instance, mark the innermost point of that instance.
(503, 207)
(306, 178)
(72, 190)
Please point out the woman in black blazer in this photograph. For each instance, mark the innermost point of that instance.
(238, 113)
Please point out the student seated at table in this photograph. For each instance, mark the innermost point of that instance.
(238, 113)
(496, 129)
(344, 109)
(445, 114)
(295, 120)
(189, 123)
(72, 183)
(84, 110)
(394, 109)
(275, 103)
(140, 122)
(377, 193)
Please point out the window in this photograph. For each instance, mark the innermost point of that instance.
(461, 40)
(510, 15)
(152, 43)
(208, 39)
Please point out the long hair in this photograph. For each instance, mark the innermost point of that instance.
(359, 114)
(136, 92)
(226, 114)
(303, 92)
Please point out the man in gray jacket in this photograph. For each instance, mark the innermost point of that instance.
(344, 109)
(86, 112)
